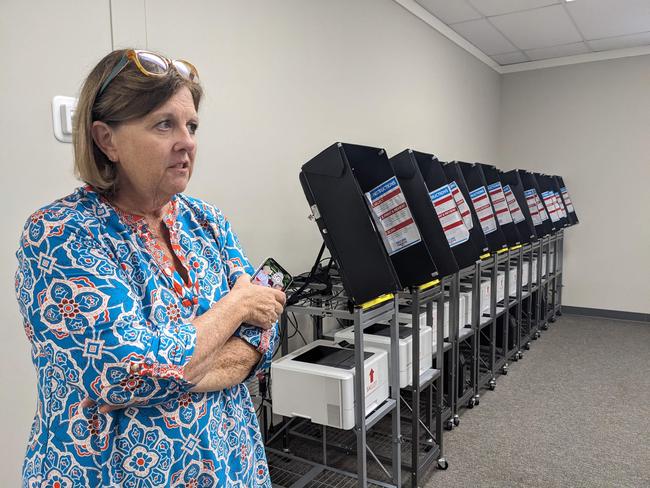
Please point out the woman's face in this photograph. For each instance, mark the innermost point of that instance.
(155, 154)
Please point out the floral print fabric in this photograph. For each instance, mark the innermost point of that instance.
(98, 296)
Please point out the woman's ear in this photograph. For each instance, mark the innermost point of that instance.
(104, 138)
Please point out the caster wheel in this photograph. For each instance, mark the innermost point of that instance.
(471, 403)
(477, 401)
(527, 346)
(492, 384)
(515, 357)
(552, 320)
(456, 420)
(538, 334)
(504, 370)
(545, 327)
(558, 313)
(443, 464)
(449, 424)
(535, 337)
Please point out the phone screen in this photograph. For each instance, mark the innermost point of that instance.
(271, 274)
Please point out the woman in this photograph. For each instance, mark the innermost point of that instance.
(138, 303)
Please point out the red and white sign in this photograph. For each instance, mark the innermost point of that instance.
(500, 204)
(513, 205)
(463, 208)
(531, 201)
(449, 216)
(540, 208)
(567, 200)
(393, 216)
(483, 209)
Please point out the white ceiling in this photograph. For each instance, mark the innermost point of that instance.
(521, 31)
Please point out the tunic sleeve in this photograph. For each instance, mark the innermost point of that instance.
(77, 304)
(265, 341)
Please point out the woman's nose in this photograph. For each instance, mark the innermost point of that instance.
(186, 141)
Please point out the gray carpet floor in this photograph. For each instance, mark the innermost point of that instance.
(574, 412)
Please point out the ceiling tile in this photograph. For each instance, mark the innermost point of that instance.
(450, 12)
(558, 51)
(500, 7)
(484, 36)
(543, 27)
(598, 19)
(510, 58)
(621, 42)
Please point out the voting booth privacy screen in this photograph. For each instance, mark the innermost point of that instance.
(458, 187)
(402, 222)
(409, 175)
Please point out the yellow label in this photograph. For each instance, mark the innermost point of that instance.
(485, 256)
(428, 285)
(377, 301)
(501, 251)
(515, 247)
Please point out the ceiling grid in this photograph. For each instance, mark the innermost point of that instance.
(515, 35)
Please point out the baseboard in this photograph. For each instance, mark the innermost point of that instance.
(607, 314)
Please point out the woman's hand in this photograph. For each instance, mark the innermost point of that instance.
(261, 306)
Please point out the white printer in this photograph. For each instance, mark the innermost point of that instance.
(378, 336)
(317, 382)
(486, 290)
(501, 285)
(405, 318)
(466, 291)
(512, 285)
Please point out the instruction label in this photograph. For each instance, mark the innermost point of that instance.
(540, 207)
(483, 209)
(513, 205)
(499, 202)
(463, 208)
(449, 216)
(560, 205)
(393, 216)
(567, 200)
(531, 201)
(549, 201)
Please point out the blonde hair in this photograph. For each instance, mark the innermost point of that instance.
(130, 95)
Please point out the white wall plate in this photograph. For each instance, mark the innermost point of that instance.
(62, 112)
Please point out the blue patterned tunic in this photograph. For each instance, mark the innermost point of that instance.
(98, 296)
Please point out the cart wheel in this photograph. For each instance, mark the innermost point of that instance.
(527, 346)
(521, 355)
(552, 320)
(477, 400)
(544, 326)
(515, 357)
(456, 420)
(558, 313)
(471, 403)
(449, 424)
(538, 334)
(492, 384)
(443, 464)
(504, 369)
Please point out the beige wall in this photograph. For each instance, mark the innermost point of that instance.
(286, 79)
(46, 49)
(283, 80)
(591, 123)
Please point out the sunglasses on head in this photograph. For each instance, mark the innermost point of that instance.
(151, 64)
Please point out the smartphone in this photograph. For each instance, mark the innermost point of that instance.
(271, 274)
